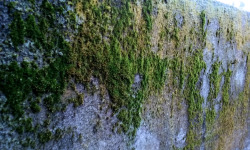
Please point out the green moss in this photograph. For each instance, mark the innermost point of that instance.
(182, 75)
(226, 116)
(225, 88)
(203, 24)
(72, 19)
(214, 84)
(230, 33)
(43, 26)
(203, 20)
(147, 13)
(15, 86)
(210, 117)
(125, 117)
(17, 29)
(116, 62)
(48, 11)
(175, 35)
(23, 83)
(46, 123)
(28, 142)
(35, 107)
(32, 1)
(32, 30)
(11, 5)
(78, 100)
(25, 126)
(215, 79)
(50, 102)
(45, 136)
(58, 134)
(194, 100)
(177, 67)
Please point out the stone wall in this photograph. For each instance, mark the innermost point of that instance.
(124, 74)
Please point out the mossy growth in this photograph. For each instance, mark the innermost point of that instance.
(50, 102)
(24, 82)
(147, 13)
(79, 100)
(28, 142)
(46, 122)
(20, 81)
(214, 84)
(210, 117)
(215, 79)
(48, 11)
(230, 33)
(225, 88)
(194, 100)
(176, 37)
(26, 126)
(59, 133)
(107, 47)
(178, 69)
(203, 20)
(203, 24)
(32, 1)
(17, 29)
(175, 34)
(34, 105)
(32, 30)
(45, 136)
(193, 96)
(116, 62)
(11, 5)
(226, 118)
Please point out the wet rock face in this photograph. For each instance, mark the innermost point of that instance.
(141, 91)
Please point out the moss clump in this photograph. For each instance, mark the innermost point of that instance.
(147, 13)
(34, 105)
(225, 88)
(203, 24)
(26, 126)
(125, 118)
(178, 70)
(16, 85)
(28, 142)
(45, 136)
(58, 134)
(23, 83)
(117, 61)
(194, 100)
(215, 79)
(176, 36)
(50, 102)
(79, 100)
(48, 11)
(203, 20)
(32, 1)
(20, 81)
(11, 5)
(17, 29)
(193, 96)
(32, 30)
(210, 117)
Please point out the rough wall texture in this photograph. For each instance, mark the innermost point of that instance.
(124, 74)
